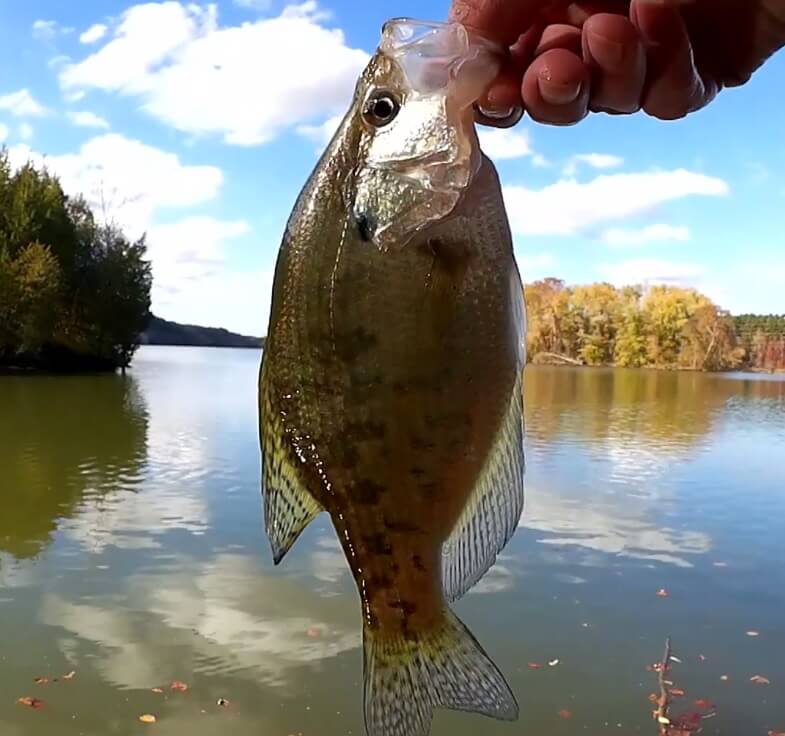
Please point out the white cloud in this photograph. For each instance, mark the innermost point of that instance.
(44, 30)
(594, 160)
(189, 250)
(568, 207)
(130, 179)
(537, 266)
(203, 79)
(652, 271)
(618, 237)
(86, 119)
(504, 143)
(22, 104)
(322, 134)
(94, 33)
(3, 132)
(257, 5)
(540, 161)
(25, 131)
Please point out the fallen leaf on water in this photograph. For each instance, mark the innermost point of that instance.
(181, 687)
(677, 692)
(69, 676)
(776, 733)
(760, 680)
(753, 633)
(704, 704)
(662, 593)
(724, 678)
(158, 690)
(534, 666)
(314, 632)
(564, 713)
(41, 681)
(553, 663)
(702, 658)
(223, 702)
(148, 718)
(688, 721)
(30, 702)
(654, 698)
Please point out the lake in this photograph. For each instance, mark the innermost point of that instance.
(132, 553)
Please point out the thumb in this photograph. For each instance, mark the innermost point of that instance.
(503, 21)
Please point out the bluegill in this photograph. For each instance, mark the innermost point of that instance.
(391, 384)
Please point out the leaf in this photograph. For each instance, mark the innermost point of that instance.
(180, 687)
(564, 713)
(704, 704)
(760, 680)
(158, 690)
(553, 663)
(677, 692)
(314, 633)
(753, 633)
(223, 702)
(69, 676)
(534, 666)
(662, 593)
(724, 678)
(41, 681)
(776, 733)
(31, 702)
(148, 718)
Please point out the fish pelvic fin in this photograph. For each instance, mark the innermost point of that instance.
(406, 677)
(288, 505)
(494, 509)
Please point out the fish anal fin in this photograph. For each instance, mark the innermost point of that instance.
(406, 678)
(493, 511)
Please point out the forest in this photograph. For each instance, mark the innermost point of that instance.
(661, 327)
(74, 293)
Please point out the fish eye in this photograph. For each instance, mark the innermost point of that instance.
(381, 108)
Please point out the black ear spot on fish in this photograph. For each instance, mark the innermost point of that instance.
(380, 108)
(365, 227)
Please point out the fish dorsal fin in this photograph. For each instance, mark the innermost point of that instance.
(288, 506)
(492, 512)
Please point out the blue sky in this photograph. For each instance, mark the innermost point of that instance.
(198, 124)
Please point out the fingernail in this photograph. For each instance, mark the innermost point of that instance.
(556, 93)
(608, 54)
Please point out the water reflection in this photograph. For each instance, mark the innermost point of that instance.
(229, 616)
(133, 511)
(62, 439)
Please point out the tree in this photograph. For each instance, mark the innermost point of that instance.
(72, 293)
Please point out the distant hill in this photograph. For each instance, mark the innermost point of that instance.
(162, 332)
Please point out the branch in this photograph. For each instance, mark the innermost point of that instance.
(664, 701)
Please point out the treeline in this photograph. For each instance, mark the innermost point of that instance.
(763, 338)
(74, 294)
(662, 327)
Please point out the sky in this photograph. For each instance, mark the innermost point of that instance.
(198, 124)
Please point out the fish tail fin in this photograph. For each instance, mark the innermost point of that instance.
(407, 677)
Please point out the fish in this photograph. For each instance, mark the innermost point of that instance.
(391, 380)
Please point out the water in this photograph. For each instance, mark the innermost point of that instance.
(132, 552)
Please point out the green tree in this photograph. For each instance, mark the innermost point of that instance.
(72, 293)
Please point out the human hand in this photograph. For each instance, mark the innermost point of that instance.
(666, 57)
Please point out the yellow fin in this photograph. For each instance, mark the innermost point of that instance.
(406, 678)
(492, 513)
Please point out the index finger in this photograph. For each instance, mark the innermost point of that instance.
(501, 20)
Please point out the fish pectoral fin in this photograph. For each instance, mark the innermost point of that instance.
(407, 677)
(493, 511)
